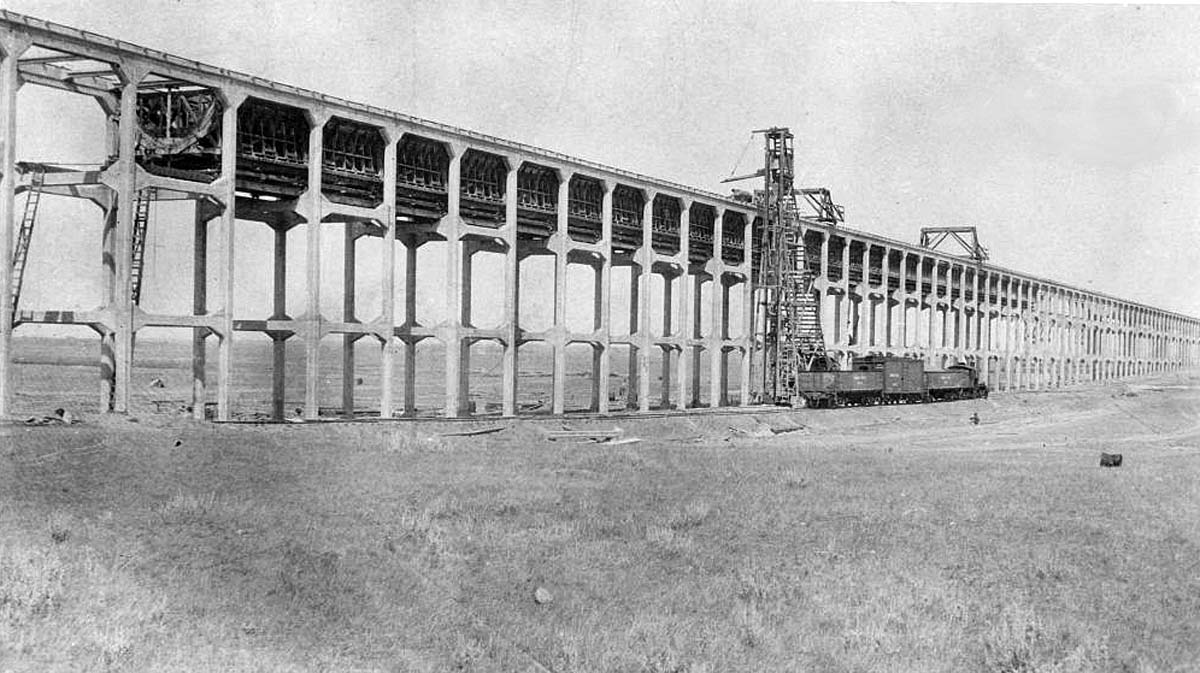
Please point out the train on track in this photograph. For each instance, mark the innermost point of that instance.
(880, 379)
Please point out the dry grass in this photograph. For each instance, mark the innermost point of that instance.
(379, 548)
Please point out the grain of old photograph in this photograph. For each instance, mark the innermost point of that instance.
(573, 337)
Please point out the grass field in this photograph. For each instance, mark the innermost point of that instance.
(881, 539)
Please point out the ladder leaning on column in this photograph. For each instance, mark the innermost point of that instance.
(25, 235)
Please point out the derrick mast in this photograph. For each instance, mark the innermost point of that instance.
(787, 323)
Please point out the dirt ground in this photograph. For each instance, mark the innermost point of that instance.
(900, 538)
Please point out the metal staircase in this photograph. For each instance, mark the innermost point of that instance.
(141, 221)
(24, 235)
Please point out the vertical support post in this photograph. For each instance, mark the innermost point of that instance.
(603, 312)
(695, 348)
(126, 173)
(596, 308)
(279, 340)
(313, 327)
(349, 306)
(748, 326)
(451, 228)
(724, 352)
(225, 250)
(387, 283)
(10, 51)
(862, 334)
(512, 289)
(108, 370)
(903, 294)
(668, 328)
(560, 243)
(199, 308)
(411, 245)
(846, 319)
(646, 256)
(469, 248)
(718, 320)
(633, 386)
(684, 371)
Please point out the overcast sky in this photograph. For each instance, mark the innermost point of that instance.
(1070, 135)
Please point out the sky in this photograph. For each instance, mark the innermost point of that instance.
(1068, 134)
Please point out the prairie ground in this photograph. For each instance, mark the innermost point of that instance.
(902, 538)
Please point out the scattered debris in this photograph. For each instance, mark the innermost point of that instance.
(587, 435)
(1110, 459)
(158, 383)
(59, 417)
(542, 596)
(472, 433)
(171, 406)
(784, 431)
(760, 430)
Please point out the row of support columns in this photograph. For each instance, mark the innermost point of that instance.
(117, 320)
(1028, 333)
(881, 297)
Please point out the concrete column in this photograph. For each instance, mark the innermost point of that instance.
(604, 314)
(718, 318)
(349, 307)
(108, 254)
(411, 246)
(597, 300)
(922, 323)
(933, 333)
(127, 194)
(980, 312)
(11, 49)
(645, 339)
(387, 278)
(683, 369)
(694, 351)
(512, 290)
(904, 298)
(457, 292)
(279, 312)
(748, 327)
(603, 311)
(312, 320)
(469, 248)
(559, 243)
(633, 386)
(889, 331)
(863, 334)
(668, 333)
(225, 250)
(199, 308)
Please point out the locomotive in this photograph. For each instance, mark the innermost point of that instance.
(878, 379)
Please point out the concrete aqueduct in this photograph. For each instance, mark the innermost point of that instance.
(244, 150)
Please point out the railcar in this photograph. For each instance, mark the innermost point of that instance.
(887, 380)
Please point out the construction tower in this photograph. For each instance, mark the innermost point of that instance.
(787, 320)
